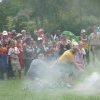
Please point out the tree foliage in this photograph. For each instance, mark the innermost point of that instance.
(50, 14)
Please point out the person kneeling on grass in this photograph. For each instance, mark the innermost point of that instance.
(68, 65)
(37, 67)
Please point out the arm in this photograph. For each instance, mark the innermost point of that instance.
(78, 66)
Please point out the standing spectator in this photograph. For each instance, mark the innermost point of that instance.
(84, 39)
(28, 53)
(3, 63)
(25, 35)
(94, 39)
(13, 53)
(20, 47)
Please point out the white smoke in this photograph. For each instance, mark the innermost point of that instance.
(90, 84)
(50, 78)
(46, 76)
(0, 0)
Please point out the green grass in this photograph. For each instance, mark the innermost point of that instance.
(14, 90)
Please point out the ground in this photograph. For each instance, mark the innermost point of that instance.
(15, 90)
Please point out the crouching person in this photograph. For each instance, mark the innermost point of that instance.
(13, 53)
(37, 68)
(68, 65)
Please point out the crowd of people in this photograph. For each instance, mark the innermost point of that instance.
(18, 50)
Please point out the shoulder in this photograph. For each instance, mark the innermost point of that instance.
(10, 49)
(67, 52)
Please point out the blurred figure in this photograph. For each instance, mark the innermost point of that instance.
(85, 44)
(13, 53)
(37, 67)
(20, 47)
(3, 63)
(68, 65)
(94, 39)
(28, 53)
(40, 34)
(63, 45)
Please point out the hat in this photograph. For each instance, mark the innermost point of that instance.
(23, 31)
(13, 31)
(18, 35)
(41, 30)
(4, 33)
(83, 31)
(39, 38)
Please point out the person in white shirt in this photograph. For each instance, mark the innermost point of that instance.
(13, 53)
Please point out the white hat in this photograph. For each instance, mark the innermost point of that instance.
(5, 33)
(23, 31)
(18, 35)
(39, 38)
(41, 30)
(75, 43)
(83, 31)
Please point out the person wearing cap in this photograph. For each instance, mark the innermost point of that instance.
(85, 44)
(69, 56)
(28, 53)
(25, 35)
(13, 34)
(4, 33)
(40, 34)
(13, 53)
(94, 39)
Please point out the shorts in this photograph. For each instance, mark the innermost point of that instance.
(16, 66)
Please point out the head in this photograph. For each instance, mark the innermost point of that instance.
(18, 36)
(74, 50)
(12, 43)
(41, 30)
(14, 32)
(28, 41)
(23, 32)
(5, 34)
(69, 42)
(63, 38)
(83, 32)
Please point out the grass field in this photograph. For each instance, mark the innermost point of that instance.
(14, 90)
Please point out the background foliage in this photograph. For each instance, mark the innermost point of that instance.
(70, 15)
